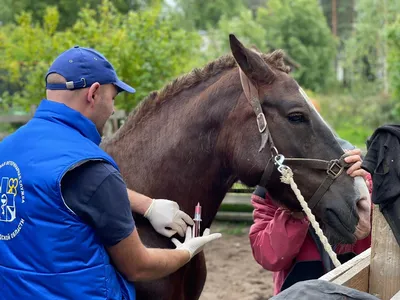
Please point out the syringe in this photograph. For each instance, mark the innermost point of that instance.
(197, 220)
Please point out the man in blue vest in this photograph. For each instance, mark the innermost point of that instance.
(65, 211)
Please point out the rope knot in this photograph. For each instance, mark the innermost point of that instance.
(287, 175)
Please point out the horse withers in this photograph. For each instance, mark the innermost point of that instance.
(192, 140)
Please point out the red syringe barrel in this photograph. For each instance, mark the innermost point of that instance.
(197, 220)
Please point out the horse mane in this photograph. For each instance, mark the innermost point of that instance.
(274, 59)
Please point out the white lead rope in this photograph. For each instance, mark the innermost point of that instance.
(287, 177)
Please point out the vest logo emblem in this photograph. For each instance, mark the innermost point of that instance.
(11, 196)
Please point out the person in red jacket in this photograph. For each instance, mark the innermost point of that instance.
(284, 242)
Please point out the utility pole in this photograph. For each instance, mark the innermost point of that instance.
(334, 21)
(334, 32)
(384, 58)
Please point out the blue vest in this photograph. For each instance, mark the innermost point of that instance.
(46, 251)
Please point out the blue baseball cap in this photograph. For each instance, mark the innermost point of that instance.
(82, 67)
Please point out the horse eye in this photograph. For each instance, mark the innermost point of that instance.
(297, 118)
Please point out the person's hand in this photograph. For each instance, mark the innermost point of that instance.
(355, 159)
(195, 244)
(164, 213)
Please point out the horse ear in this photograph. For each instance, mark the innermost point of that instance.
(250, 62)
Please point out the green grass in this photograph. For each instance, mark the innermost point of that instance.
(236, 207)
(238, 185)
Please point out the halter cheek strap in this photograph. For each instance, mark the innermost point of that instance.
(251, 94)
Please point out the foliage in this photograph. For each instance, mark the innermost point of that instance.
(300, 28)
(205, 15)
(67, 8)
(150, 43)
(394, 64)
(344, 16)
(355, 117)
(366, 49)
(243, 26)
(146, 49)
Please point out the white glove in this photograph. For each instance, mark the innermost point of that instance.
(164, 213)
(195, 244)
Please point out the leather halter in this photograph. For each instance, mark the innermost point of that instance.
(334, 168)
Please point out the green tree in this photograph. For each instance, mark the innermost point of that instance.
(300, 28)
(366, 49)
(243, 26)
(205, 15)
(394, 64)
(146, 49)
(68, 9)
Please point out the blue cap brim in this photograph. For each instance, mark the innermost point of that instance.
(122, 86)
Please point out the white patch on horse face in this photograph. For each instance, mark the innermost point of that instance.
(312, 107)
(361, 186)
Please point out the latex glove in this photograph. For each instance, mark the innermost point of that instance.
(164, 213)
(195, 244)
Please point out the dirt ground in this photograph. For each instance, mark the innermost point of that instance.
(232, 271)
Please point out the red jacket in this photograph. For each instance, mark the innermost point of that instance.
(278, 241)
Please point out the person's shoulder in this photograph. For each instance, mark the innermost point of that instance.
(91, 179)
(92, 171)
(97, 166)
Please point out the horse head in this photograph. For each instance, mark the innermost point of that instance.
(278, 124)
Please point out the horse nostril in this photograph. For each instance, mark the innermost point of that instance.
(362, 203)
(360, 199)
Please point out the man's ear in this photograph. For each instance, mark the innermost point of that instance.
(93, 92)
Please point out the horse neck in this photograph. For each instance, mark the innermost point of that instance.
(172, 153)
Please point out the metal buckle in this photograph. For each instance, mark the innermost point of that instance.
(334, 169)
(278, 160)
(274, 151)
(261, 122)
(70, 85)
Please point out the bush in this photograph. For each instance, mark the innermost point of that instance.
(355, 117)
(146, 48)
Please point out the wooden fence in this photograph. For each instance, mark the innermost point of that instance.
(113, 123)
(376, 270)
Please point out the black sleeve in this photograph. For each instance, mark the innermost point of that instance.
(96, 192)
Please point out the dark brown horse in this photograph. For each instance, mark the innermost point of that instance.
(192, 140)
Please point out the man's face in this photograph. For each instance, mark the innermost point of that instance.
(104, 105)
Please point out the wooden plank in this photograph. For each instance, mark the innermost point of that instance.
(384, 280)
(352, 263)
(15, 119)
(356, 277)
(3, 135)
(234, 216)
(396, 296)
(236, 198)
(353, 273)
(111, 125)
(119, 114)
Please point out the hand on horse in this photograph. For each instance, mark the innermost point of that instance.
(355, 159)
(195, 244)
(164, 213)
